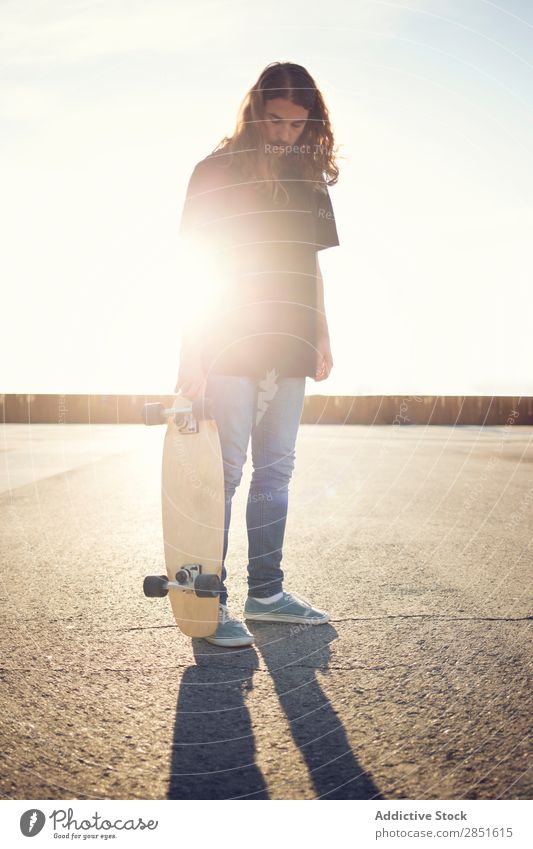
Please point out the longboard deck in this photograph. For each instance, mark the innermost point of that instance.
(192, 495)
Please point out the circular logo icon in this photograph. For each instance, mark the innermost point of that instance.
(31, 822)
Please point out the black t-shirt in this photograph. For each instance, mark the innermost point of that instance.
(264, 314)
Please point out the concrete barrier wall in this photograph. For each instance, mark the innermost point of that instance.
(318, 409)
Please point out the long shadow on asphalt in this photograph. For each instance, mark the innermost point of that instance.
(213, 753)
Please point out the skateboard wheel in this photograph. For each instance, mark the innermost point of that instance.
(207, 586)
(154, 586)
(153, 414)
(201, 409)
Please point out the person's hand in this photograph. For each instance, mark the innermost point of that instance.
(191, 378)
(324, 360)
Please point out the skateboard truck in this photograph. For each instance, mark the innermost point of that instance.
(188, 578)
(186, 416)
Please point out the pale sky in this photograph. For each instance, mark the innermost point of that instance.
(105, 108)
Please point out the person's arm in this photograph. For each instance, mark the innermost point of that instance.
(322, 323)
(195, 274)
(192, 305)
(324, 360)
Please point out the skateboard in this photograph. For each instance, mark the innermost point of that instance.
(192, 501)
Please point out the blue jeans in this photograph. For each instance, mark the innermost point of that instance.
(269, 411)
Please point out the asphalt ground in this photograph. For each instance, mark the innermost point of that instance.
(417, 540)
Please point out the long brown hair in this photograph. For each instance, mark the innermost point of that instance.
(317, 164)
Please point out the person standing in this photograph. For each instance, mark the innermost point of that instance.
(256, 214)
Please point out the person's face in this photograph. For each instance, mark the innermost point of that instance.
(283, 122)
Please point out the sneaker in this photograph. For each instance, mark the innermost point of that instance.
(291, 608)
(230, 631)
